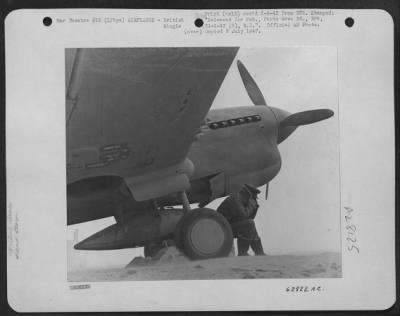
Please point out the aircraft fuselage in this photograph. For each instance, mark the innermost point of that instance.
(238, 145)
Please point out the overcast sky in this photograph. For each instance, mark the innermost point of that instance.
(302, 213)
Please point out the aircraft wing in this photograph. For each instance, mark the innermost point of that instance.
(134, 112)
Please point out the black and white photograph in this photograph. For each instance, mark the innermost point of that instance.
(202, 163)
(244, 157)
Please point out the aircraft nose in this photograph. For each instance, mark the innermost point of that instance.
(284, 131)
(279, 113)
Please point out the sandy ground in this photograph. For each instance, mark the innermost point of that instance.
(175, 267)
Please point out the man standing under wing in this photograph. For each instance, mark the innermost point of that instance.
(240, 209)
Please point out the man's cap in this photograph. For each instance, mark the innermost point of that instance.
(251, 189)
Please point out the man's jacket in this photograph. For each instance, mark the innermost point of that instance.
(235, 208)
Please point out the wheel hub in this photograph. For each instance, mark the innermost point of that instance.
(207, 236)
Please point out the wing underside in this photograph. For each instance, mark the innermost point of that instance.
(134, 112)
(138, 109)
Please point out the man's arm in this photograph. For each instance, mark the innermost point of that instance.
(252, 207)
(237, 209)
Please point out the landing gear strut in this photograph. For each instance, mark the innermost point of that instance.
(185, 202)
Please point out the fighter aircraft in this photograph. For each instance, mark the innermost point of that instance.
(143, 145)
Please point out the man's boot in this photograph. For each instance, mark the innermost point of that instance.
(257, 247)
(243, 246)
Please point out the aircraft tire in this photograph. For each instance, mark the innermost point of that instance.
(203, 233)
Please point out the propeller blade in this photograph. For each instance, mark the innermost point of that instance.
(252, 89)
(307, 117)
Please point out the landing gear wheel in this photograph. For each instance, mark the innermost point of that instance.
(203, 234)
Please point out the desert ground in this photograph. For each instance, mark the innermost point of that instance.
(174, 266)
